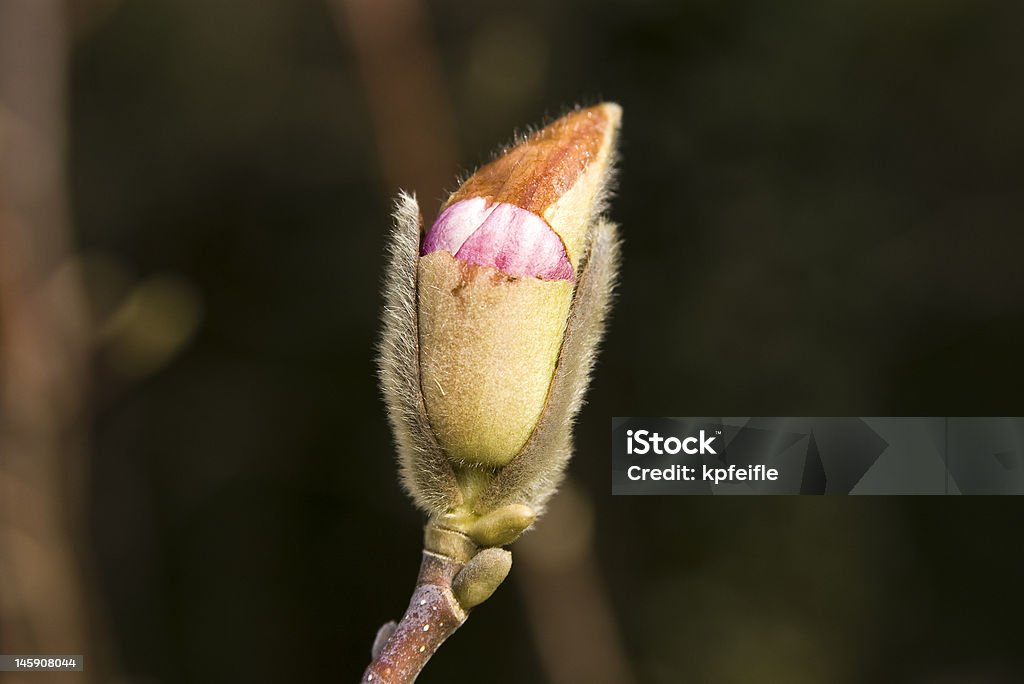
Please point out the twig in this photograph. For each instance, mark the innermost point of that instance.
(434, 612)
(433, 615)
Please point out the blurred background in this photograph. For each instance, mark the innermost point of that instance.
(821, 205)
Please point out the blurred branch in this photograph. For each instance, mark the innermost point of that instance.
(43, 346)
(404, 85)
(85, 16)
(566, 603)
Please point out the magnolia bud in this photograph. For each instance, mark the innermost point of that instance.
(499, 315)
(496, 281)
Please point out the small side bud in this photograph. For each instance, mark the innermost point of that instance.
(503, 525)
(482, 575)
(383, 634)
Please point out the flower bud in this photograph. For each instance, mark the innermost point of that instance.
(496, 281)
(492, 322)
(482, 575)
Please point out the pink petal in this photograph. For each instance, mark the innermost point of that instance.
(455, 224)
(512, 239)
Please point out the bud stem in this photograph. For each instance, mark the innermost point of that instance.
(433, 615)
(434, 612)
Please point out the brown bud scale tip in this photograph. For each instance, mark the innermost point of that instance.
(534, 174)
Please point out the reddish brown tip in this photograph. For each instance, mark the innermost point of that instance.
(535, 173)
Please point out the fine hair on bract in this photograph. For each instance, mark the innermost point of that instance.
(426, 473)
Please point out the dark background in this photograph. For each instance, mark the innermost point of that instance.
(821, 208)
